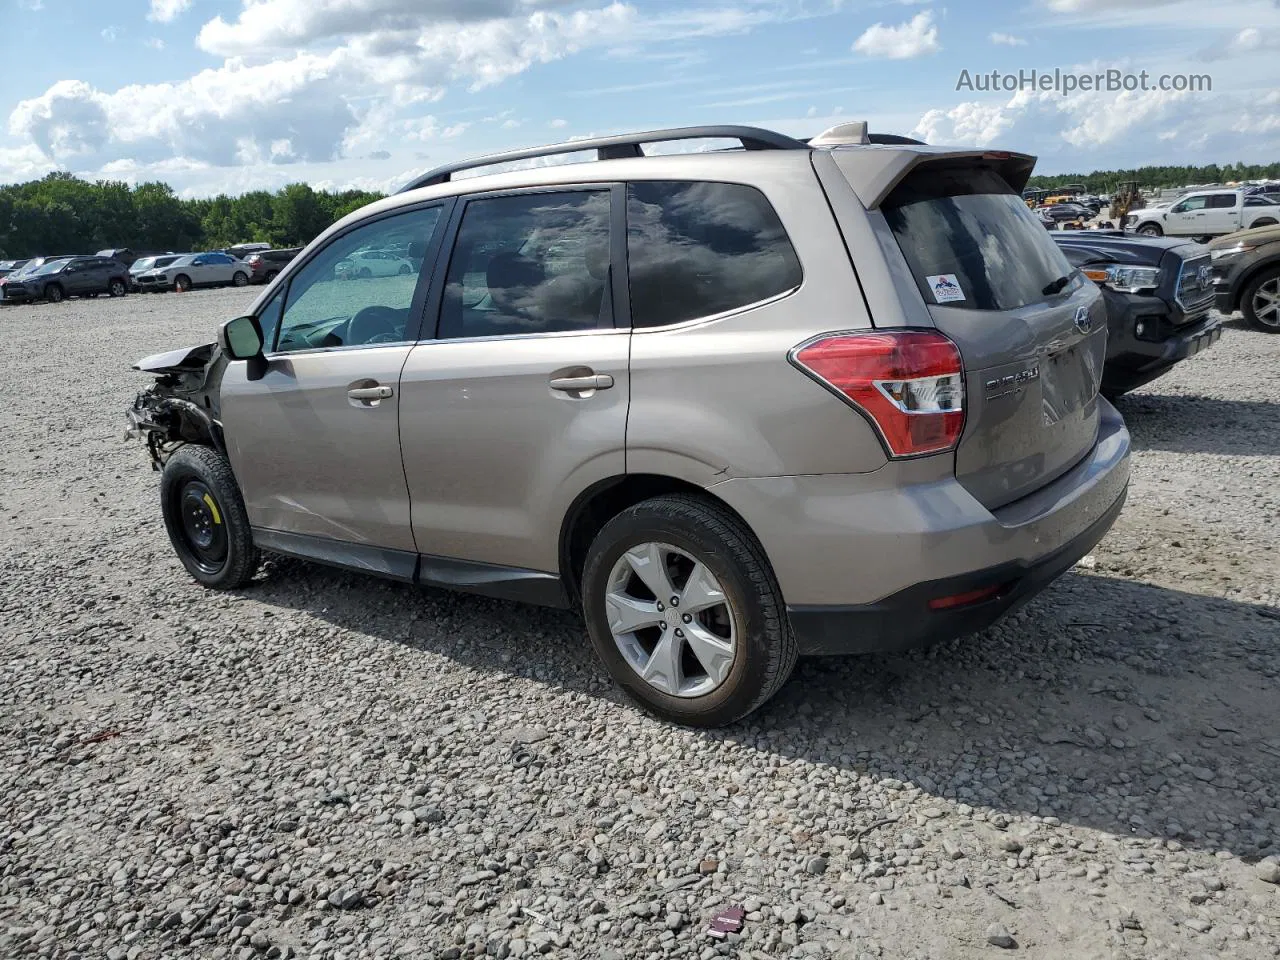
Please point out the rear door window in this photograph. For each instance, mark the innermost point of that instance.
(530, 263)
(972, 243)
(696, 249)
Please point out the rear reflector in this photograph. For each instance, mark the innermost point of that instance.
(910, 383)
(965, 599)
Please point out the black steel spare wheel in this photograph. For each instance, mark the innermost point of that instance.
(205, 518)
(202, 526)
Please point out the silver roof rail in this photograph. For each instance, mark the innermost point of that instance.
(615, 148)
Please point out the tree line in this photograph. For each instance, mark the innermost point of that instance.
(1104, 182)
(63, 214)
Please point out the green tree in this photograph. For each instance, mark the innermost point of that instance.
(298, 216)
(62, 214)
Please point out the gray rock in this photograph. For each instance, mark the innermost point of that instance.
(816, 865)
(1268, 871)
(998, 936)
(346, 898)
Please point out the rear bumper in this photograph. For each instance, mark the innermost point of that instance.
(905, 620)
(859, 557)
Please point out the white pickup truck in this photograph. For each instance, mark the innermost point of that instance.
(1206, 213)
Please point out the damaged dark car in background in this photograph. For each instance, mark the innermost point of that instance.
(1159, 293)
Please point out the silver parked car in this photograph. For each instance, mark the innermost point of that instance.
(195, 270)
(818, 397)
(152, 268)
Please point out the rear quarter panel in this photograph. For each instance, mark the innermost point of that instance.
(717, 398)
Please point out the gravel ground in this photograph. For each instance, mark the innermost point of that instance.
(326, 765)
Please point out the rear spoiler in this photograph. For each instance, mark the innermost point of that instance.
(874, 170)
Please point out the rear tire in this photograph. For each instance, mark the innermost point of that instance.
(240, 279)
(182, 283)
(205, 518)
(271, 275)
(1260, 301)
(753, 650)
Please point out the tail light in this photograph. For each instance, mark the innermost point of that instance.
(909, 383)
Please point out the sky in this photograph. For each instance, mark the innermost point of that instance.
(224, 96)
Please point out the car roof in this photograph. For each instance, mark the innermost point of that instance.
(872, 164)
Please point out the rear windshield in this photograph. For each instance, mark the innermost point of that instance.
(971, 242)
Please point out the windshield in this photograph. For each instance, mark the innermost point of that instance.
(25, 270)
(53, 266)
(151, 263)
(180, 261)
(972, 243)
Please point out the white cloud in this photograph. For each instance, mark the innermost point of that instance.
(559, 123)
(1086, 6)
(312, 106)
(23, 163)
(1252, 40)
(1007, 40)
(1164, 15)
(163, 11)
(1104, 130)
(915, 38)
(218, 116)
(110, 34)
(277, 25)
(155, 43)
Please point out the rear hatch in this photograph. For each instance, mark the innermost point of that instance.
(1031, 329)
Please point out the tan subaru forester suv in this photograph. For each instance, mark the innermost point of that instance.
(791, 397)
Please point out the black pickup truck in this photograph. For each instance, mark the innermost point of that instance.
(1158, 291)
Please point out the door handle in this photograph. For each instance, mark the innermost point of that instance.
(370, 393)
(595, 381)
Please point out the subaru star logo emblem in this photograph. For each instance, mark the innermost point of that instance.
(1083, 320)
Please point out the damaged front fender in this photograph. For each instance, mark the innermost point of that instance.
(182, 405)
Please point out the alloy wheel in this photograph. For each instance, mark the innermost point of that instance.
(1266, 303)
(671, 619)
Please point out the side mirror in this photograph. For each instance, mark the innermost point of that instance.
(241, 339)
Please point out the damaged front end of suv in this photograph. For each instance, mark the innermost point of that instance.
(181, 407)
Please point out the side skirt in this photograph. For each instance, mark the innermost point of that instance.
(466, 576)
